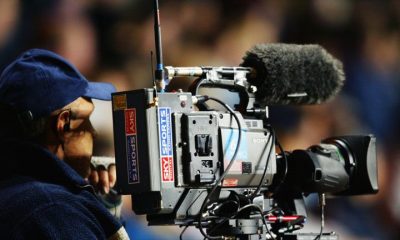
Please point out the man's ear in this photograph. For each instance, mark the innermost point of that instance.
(63, 123)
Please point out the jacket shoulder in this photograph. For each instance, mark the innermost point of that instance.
(22, 197)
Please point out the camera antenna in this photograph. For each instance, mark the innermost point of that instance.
(152, 69)
(159, 72)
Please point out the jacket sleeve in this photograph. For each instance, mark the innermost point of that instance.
(59, 221)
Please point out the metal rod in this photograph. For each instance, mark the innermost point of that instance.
(159, 72)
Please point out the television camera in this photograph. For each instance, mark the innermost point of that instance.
(185, 163)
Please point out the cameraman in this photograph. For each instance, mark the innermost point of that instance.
(46, 142)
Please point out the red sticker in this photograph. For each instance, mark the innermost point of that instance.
(167, 169)
(230, 182)
(130, 121)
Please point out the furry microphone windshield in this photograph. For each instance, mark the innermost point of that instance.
(293, 74)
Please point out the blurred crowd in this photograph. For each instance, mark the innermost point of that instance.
(112, 41)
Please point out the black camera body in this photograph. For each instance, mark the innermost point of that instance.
(185, 164)
(164, 146)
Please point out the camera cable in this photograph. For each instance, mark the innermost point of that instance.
(322, 204)
(226, 170)
(271, 136)
(183, 231)
(284, 155)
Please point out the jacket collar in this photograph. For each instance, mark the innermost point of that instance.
(28, 159)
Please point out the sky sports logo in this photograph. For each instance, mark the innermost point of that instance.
(133, 168)
(131, 146)
(165, 135)
(130, 121)
(167, 169)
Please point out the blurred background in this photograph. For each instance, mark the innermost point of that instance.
(111, 40)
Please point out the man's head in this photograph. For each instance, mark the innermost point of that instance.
(49, 101)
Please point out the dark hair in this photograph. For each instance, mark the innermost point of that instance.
(19, 125)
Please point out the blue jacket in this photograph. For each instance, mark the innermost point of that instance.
(41, 197)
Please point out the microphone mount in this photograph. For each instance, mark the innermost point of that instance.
(230, 78)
